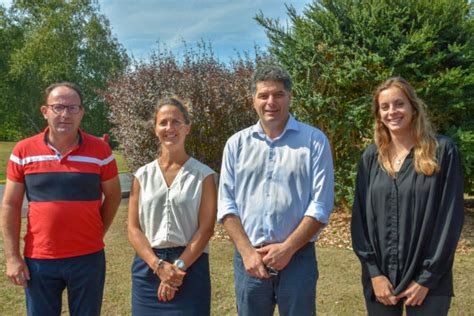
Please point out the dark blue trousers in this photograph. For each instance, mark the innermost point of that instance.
(83, 276)
(293, 289)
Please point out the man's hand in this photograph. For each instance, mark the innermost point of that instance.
(414, 294)
(253, 262)
(254, 265)
(17, 271)
(276, 255)
(383, 290)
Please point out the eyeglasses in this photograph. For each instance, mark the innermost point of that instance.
(60, 108)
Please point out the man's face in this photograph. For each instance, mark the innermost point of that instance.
(63, 123)
(272, 102)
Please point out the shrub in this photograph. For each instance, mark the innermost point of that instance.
(219, 94)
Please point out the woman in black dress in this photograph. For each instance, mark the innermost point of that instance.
(408, 208)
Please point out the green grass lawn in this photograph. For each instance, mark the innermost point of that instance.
(339, 290)
(6, 149)
(121, 162)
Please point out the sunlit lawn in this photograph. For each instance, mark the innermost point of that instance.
(121, 162)
(339, 291)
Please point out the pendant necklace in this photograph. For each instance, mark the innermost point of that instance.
(398, 161)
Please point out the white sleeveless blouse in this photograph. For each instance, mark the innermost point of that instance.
(169, 215)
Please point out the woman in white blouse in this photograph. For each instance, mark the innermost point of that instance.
(172, 210)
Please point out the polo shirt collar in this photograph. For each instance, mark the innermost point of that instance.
(45, 136)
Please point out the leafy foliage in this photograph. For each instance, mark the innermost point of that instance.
(338, 51)
(52, 41)
(219, 96)
(10, 37)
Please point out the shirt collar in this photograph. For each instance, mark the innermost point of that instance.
(45, 136)
(291, 125)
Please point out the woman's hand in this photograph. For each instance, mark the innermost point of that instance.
(171, 278)
(166, 292)
(414, 294)
(383, 290)
(170, 274)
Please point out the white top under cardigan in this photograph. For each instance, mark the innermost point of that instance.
(169, 216)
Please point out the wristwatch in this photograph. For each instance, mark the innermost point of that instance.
(180, 264)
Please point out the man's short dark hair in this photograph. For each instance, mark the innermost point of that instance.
(69, 85)
(270, 73)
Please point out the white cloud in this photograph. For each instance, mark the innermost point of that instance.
(227, 25)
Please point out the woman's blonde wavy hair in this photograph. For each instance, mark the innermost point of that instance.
(424, 137)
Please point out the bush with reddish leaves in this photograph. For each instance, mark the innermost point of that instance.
(221, 102)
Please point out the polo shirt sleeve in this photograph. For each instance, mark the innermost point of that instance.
(322, 185)
(109, 168)
(226, 203)
(15, 169)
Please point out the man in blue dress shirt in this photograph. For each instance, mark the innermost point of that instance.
(276, 193)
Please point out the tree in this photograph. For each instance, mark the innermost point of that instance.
(10, 37)
(219, 95)
(62, 41)
(338, 51)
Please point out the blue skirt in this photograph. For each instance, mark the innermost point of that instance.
(192, 298)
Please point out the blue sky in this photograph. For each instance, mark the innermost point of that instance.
(228, 25)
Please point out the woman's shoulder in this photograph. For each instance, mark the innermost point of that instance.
(200, 167)
(369, 157)
(149, 167)
(445, 144)
(370, 151)
(444, 140)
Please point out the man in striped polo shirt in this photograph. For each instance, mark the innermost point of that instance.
(71, 183)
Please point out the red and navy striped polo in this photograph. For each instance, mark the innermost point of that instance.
(64, 194)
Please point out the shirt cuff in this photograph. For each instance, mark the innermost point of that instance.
(319, 212)
(373, 269)
(427, 279)
(224, 212)
(15, 178)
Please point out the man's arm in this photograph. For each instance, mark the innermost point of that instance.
(111, 202)
(228, 214)
(279, 255)
(10, 219)
(252, 260)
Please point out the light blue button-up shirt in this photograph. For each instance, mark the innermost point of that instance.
(271, 184)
